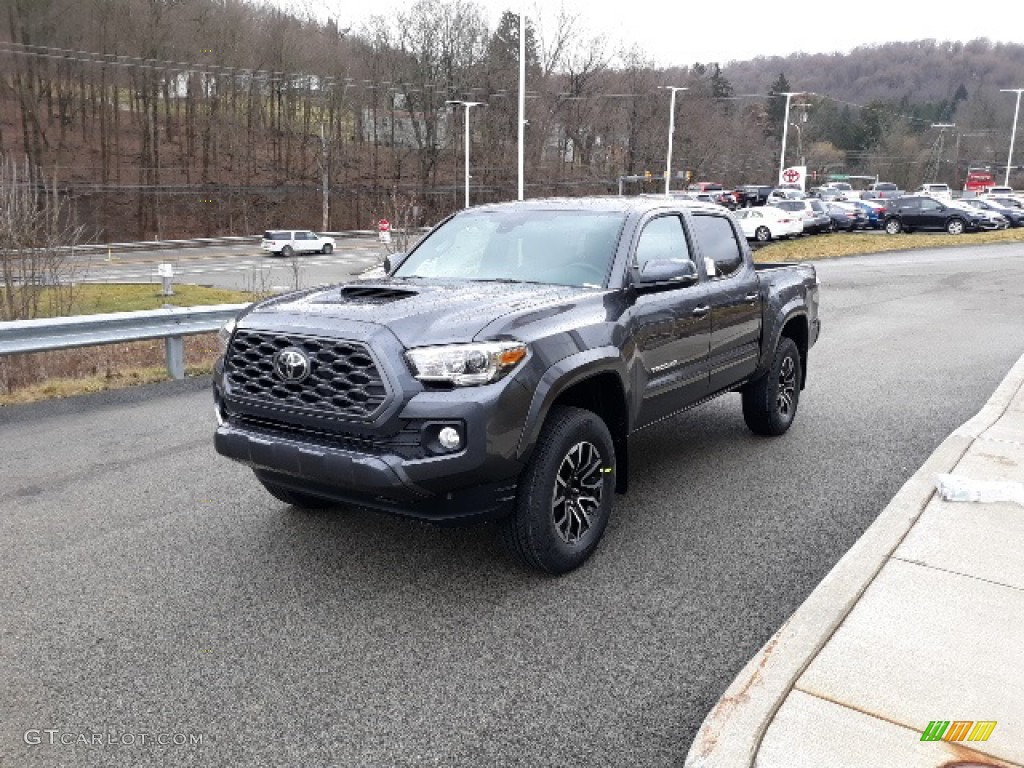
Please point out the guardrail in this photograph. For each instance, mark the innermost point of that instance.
(172, 324)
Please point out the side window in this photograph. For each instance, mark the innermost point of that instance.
(718, 243)
(662, 240)
(930, 205)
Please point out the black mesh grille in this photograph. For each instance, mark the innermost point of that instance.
(343, 379)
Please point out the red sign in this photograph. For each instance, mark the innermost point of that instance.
(791, 175)
(383, 225)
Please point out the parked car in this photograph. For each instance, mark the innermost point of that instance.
(750, 195)
(1001, 191)
(767, 222)
(717, 193)
(846, 216)
(883, 190)
(780, 193)
(910, 212)
(995, 218)
(827, 194)
(500, 368)
(814, 222)
(874, 212)
(843, 189)
(1013, 214)
(939, 191)
(288, 242)
(1006, 201)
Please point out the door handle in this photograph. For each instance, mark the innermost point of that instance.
(702, 310)
(751, 297)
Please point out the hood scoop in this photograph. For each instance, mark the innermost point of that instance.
(374, 294)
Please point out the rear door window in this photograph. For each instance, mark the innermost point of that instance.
(718, 243)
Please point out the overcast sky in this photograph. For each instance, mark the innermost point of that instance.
(686, 31)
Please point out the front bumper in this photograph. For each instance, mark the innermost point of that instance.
(385, 482)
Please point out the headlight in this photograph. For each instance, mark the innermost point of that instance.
(224, 336)
(466, 364)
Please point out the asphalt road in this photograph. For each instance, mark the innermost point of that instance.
(150, 588)
(239, 267)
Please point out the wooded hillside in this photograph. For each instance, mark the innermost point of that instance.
(185, 118)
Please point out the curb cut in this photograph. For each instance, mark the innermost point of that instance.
(731, 734)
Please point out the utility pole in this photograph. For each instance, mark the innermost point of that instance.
(325, 191)
(1013, 133)
(935, 161)
(467, 105)
(522, 93)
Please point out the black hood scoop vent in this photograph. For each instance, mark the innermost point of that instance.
(374, 294)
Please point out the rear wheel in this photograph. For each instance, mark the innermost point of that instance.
(762, 234)
(955, 226)
(295, 498)
(893, 226)
(770, 401)
(565, 493)
(287, 251)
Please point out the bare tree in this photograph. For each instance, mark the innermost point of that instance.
(36, 240)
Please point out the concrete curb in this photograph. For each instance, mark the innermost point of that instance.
(731, 734)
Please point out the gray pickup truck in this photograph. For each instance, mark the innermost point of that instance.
(498, 369)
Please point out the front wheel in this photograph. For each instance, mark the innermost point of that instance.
(955, 226)
(762, 234)
(893, 226)
(770, 401)
(327, 249)
(565, 493)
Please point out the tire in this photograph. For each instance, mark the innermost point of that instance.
(893, 226)
(770, 401)
(955, 226)
(574, 452)
(762, 234)
(287, 251)
(328, 249)
(295, 498)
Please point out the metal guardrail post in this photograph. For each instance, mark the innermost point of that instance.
(174, 348)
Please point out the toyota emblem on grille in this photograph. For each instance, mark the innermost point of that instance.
(292, 364)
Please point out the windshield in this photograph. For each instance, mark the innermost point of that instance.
(560, 247)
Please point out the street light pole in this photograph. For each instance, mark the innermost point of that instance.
(467, 105)
(1013, 133)
(799, 141)
(671, 132)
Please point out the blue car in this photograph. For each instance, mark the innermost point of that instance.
(874, 210)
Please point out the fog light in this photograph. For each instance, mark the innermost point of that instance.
(449, 438)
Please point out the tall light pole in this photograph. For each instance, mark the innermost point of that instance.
(522, 92)
(799, 141)
(467, 105)
(671, 131)
(1013, 133)
(785, 129)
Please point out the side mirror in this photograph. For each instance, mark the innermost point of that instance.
(675, 271)
(393, 261)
